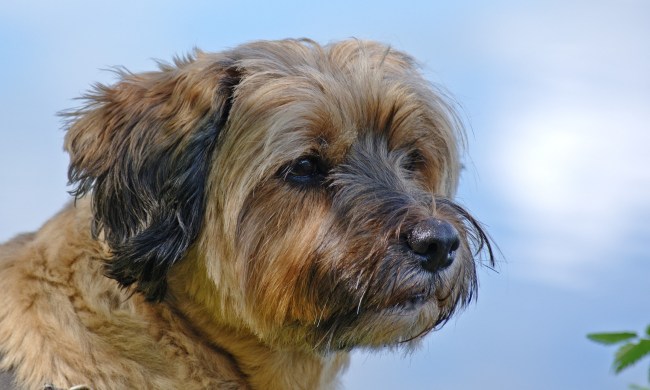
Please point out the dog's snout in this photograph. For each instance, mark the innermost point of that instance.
(436, 241)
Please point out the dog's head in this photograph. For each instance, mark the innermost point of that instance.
(302, 192)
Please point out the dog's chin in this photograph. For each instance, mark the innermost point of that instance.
(400, 324)
(424, 298)
(412, 304)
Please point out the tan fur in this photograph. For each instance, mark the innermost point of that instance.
(64, 323)
(248, 280)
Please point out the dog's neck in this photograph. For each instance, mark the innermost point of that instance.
(268, 368)
(263, 366)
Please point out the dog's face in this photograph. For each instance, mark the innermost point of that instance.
(301, 192)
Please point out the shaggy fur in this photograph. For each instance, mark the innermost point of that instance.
(243, 220)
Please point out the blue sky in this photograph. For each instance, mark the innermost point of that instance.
(556, 97)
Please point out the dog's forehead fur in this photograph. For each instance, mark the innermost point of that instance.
(297, 98)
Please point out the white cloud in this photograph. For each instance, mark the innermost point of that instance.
(571, 153)
(575, 180)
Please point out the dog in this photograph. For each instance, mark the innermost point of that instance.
(243, 220)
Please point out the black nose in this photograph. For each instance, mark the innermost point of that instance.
(436, 241)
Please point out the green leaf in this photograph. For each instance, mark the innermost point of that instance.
(630, 353)
(637, 387)
(611, 338)
(647, 331)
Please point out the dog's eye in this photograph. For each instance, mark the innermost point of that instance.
(304, 167)
(305, 170)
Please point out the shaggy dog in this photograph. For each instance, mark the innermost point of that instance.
(243, 220)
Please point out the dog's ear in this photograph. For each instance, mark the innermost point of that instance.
(142, 149)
